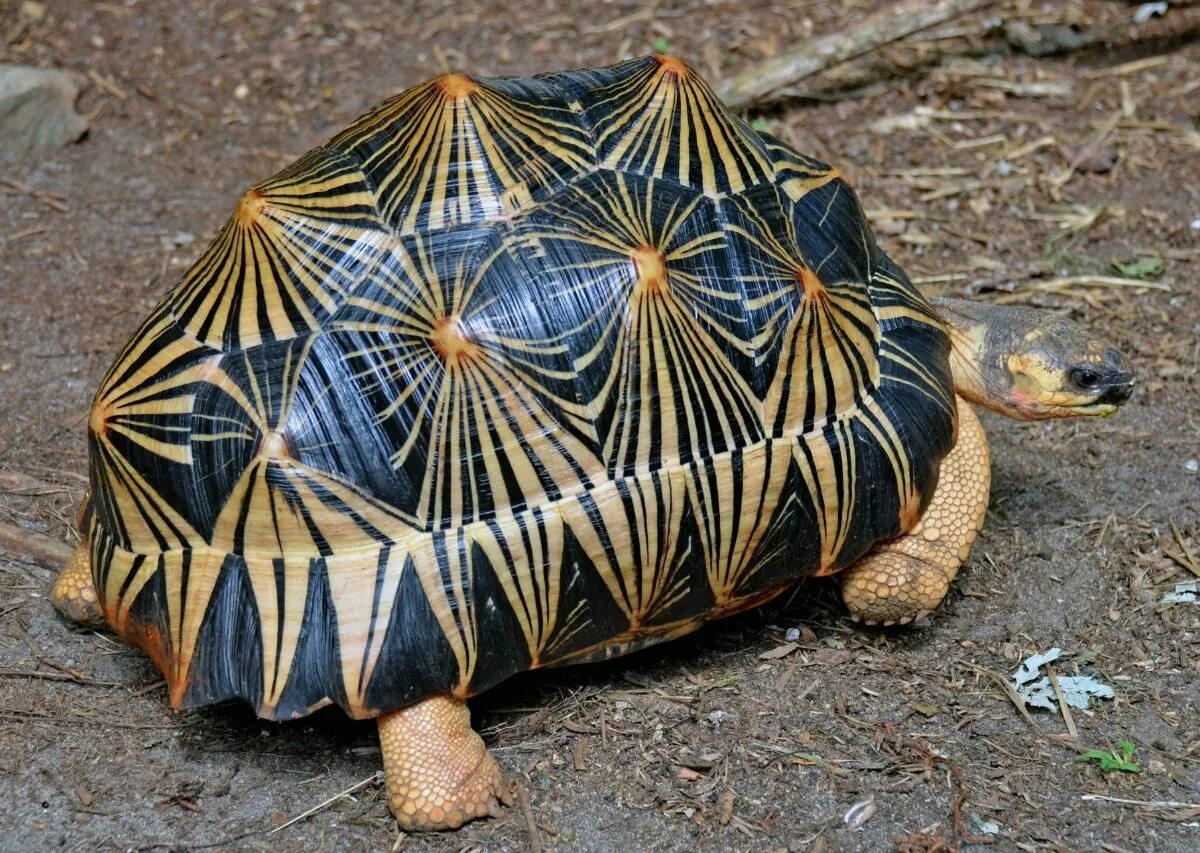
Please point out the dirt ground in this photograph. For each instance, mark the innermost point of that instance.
(987, 172)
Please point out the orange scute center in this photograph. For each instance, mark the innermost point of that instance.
(671, 65)
(456, 86)
(450, 340)
(651, 269)
(250, 207)
(274, 445)
(98, 419)
(809, 282)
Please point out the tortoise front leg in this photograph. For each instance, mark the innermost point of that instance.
(439, 773)
(74, 593)
(906, 578)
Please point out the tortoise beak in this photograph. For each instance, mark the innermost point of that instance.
(1118, 391)
(1116, 379)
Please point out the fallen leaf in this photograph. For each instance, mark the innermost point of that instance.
(779, 651)
(725, 807)
(1151, 266)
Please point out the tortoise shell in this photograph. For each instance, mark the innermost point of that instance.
(510, 373)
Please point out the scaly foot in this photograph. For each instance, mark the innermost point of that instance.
(74, 594)
(439, 773)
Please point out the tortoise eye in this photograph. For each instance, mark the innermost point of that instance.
(1084, 377)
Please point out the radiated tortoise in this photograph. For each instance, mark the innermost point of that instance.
(523, 372)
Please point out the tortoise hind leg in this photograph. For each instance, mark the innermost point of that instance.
(906, 578)
(74, 593)
(439, 773)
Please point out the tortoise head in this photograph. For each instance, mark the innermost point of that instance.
(1031, 364)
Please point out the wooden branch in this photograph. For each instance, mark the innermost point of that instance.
(895, 22)
(37, 546)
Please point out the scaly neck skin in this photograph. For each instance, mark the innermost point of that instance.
(974, 381)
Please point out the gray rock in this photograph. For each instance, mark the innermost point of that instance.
(37, 111)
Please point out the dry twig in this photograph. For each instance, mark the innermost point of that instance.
(374, 777)
(818, 54)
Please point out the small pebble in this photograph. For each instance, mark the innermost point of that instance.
(241, 91)
(1191, 466)
(792, 635)
(1195, 224)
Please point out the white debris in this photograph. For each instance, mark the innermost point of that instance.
(987, 827)
(1038, 692)
(1187, 592)
(1148, 10)
(1192, 466)
(1028, 671)
(859, 813)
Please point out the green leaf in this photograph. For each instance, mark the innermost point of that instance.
(760, 123)
(1111, 760)
(661, 45)
(1151, 266)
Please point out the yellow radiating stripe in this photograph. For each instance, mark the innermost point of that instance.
(731, 542)
(187, 604)
(453, 605)
(833, 503)
(279, 627)
(659, 112)
(178, 453)
(529, 571)
(278, 231)
(143, 530)
(355, 586)
(642, 576)
(893, 447)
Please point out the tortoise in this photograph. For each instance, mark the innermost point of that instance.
(515, 373)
